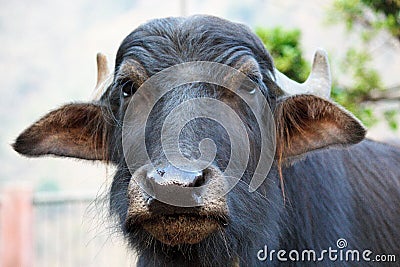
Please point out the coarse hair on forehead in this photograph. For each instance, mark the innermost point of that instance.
(161, 43)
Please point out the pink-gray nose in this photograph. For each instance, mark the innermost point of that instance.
(168, 185)
(171, 175)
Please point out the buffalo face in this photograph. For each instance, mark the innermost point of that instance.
(167, 193)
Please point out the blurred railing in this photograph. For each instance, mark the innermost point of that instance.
(56, 229)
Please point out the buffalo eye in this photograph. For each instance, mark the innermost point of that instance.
(128, 88)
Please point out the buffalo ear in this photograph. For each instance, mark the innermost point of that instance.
(74, 130)
(306, 122)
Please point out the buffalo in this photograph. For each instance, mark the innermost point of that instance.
(221, 160)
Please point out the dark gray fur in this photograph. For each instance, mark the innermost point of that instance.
(351, 193)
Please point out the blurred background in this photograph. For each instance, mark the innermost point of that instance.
(47, 58)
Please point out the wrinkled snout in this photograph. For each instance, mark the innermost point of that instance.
(177, 206)
(171, 175)
(174, 186)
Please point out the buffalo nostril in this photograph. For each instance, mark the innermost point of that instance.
(160, 172)
(198, 181)
(171, 175)
(166, 185)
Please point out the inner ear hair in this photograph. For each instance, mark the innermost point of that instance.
(74, 130)
(306, 122)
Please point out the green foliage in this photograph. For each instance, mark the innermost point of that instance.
(284, 47)
(372, 15)
(364, 81)
(391, 118)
